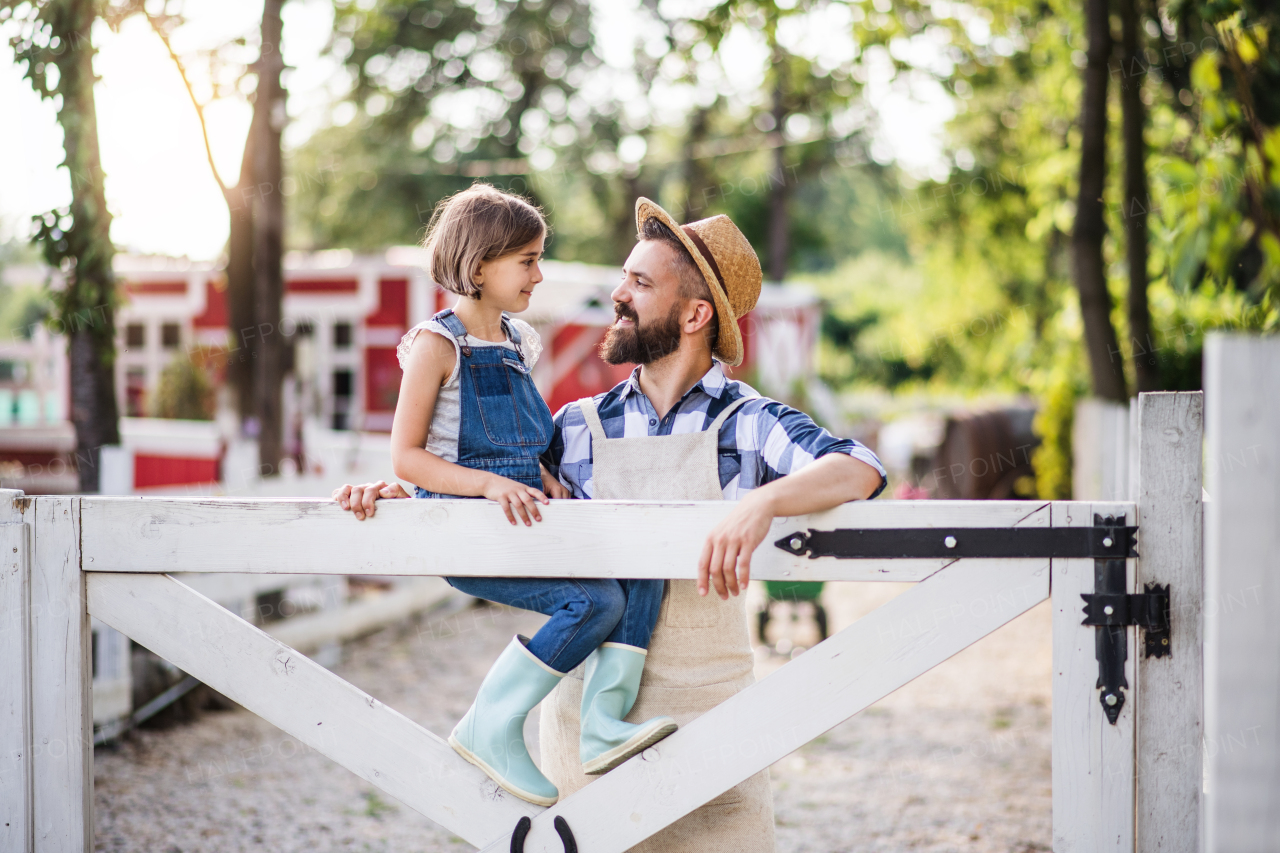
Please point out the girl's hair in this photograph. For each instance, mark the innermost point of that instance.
(478, 224)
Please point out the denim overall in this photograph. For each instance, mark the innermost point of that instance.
(504, 428)
(505, 425)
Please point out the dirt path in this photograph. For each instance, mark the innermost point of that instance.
(957, 760)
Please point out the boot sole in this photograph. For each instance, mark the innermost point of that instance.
(472, 758)
(607, 761)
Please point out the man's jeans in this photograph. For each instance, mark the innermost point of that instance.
(584, 613)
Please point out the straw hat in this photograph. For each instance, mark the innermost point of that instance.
(727, 262)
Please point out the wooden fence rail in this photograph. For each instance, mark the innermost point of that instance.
(65, 559)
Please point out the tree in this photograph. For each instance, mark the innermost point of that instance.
(268, 241)
(241, 310)
(1133, 206)
(54, 44)
(796, 86)
(1106, 363)
(415, 138)
(255, 246)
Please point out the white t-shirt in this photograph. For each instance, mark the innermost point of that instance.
(446, 421)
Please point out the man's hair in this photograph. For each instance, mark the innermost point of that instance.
(693, 285)
(478, 224)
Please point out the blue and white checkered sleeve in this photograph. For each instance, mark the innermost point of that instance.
(788, 440)
(569, 456)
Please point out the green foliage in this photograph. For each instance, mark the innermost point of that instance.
(184, 391)
(1218, 179)
(21, 310)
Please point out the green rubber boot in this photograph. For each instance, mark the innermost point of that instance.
(491, 735)
(608, 692)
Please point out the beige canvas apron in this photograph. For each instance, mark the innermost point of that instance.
(699, 656)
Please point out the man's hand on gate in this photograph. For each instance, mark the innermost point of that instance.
(726, 555)
(361, 499)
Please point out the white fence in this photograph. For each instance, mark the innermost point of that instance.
(1131, 784)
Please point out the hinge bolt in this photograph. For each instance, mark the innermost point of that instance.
(1110, 699)
(1107, 542)
(1108, 610)
(796, 543)
(950, 541)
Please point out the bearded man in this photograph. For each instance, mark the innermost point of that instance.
(679, 429)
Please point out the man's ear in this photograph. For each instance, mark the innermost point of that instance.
(703, 315)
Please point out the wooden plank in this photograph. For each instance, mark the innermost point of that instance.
(438, 537)
(818, 690)
(112, 674)
(378, 744)
(1242, 594)
(61, 692)
(1170, 690)
(1092, 759)
(15, 675)
(1100, 441)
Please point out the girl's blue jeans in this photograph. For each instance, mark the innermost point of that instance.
(584, 613)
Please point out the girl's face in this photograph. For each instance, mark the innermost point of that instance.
(508, 282)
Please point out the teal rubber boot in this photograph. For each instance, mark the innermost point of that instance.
(608, 693)
(491, 734)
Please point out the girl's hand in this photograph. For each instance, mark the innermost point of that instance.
(511, 495)
(360, 500)
(553, 487)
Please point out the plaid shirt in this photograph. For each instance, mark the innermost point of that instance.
(760, 442)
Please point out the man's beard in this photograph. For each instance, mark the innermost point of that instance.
(636, 344)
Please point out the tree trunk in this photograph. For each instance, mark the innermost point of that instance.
(1105, 359)
(268, 243)
(779, 191)
(696, 181)
(87, 303)
(241, 310)
(1137, 201)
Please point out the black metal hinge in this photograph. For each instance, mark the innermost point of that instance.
(1111, 541)
(1148, 610)
(1111, 610)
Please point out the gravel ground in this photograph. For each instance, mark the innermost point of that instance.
(956, 761)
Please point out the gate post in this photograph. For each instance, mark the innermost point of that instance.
(1092, 757)
(61, 681)
(15, 675)
(1242, 585)
(1168, 696)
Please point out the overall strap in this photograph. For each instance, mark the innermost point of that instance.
(589, 414)
(726, 412)
(513, 334)
(450, 321)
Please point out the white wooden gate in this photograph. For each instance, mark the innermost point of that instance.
(67, 558)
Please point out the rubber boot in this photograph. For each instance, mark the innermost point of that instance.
(491, 734)
(608, 693)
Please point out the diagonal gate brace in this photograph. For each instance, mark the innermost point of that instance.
(829, 683)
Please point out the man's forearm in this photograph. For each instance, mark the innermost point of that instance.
(827, 482)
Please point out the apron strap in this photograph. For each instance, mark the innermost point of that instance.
(727, 411)
(589, 414)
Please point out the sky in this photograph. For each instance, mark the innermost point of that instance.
(159, 188)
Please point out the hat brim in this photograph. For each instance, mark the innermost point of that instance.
(729, 337)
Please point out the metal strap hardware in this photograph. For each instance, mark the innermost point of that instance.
(1148, 610)
(1114, 541)
(562, 829)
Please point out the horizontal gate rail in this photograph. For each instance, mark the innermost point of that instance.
(471, 538)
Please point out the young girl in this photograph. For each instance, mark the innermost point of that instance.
(470, 423)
